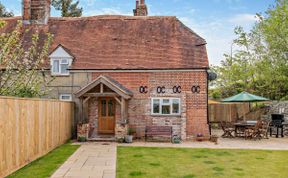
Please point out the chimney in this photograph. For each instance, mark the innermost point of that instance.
(141, 8)
(36, 11)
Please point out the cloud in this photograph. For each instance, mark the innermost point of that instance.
(217, 34)
(243, 19)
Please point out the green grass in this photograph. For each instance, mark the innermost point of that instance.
(46, 165)
(140, 162)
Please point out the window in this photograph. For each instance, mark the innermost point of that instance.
(65, 97)
(165, 106)
(60, 67)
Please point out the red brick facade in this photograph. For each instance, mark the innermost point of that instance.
(166, 51)
(193, 117)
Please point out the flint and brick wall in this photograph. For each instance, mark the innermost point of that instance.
(193, 117)
(277, 107)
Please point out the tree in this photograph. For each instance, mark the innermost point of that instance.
(68, 8)
(21, 65)
(259, 65)
(4, 13)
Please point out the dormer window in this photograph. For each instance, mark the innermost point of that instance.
(60, 66)
(60, 60)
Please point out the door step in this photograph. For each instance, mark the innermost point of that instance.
(102, 139)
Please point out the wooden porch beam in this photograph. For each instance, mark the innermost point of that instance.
(117, 99)
(101, 94)
(86, 99)
(101, 88)
(123, 109)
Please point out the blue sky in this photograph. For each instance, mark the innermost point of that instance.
(214, 20)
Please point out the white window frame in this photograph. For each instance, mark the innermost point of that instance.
(65, 95)
(161, 104)
(60, 72)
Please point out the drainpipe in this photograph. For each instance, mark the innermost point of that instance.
(207, 90)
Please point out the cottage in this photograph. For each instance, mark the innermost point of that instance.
(126, 71)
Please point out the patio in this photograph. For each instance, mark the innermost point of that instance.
(223, 143)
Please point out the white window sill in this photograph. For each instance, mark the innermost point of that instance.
(166, 115)
(60, 75)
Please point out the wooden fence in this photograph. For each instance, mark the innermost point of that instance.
(30, 128)
(227, 112)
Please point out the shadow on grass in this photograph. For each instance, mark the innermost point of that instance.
(45, 166)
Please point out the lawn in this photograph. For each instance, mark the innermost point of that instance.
(46, 165)
(190, 163)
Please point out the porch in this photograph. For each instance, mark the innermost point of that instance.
(103, 105)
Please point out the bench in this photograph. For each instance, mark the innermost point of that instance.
(163, 133)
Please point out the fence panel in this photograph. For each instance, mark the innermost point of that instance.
(30, 128)
(227, 112)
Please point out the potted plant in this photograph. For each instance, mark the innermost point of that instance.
(199, 137)
(129, 137)
(82, 139)
(176, 139)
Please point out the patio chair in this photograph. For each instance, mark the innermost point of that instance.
(228, 129)
(254, 132)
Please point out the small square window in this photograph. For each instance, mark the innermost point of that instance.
(65, 97)
(64, 61)
(166, 101)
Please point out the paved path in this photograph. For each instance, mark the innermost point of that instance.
(91, 160)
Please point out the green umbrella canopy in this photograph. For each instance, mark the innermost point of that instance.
(244, 97)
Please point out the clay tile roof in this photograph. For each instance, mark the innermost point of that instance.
(125, 42)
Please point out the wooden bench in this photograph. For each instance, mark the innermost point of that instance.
(161, 132)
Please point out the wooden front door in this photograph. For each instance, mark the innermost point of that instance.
(106, 121)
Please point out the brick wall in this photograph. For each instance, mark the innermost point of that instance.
(193, 117)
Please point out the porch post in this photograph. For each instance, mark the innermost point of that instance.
(81, 109)
(122, 109)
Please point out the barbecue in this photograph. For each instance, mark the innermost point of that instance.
(277, 123)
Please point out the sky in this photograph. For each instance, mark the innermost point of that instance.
(214, 20)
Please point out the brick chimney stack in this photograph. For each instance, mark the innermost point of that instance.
(36, 11)
(141, 8)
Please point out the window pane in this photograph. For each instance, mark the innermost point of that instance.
(110, 108)
(64, 68)
(55, 66)
(175, 106)
(156, 106)
(166, 109)
(64, 61)
(103, 107)
(166, 101)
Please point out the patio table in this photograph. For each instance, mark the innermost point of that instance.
(241, 126)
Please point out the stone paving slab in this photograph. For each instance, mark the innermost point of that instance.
(223, 143)
(91, 160)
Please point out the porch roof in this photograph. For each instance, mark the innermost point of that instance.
(110, 83)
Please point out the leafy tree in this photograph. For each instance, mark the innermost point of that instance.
(4, 13)
(68, 8)
(22, 68)
(259, 65)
